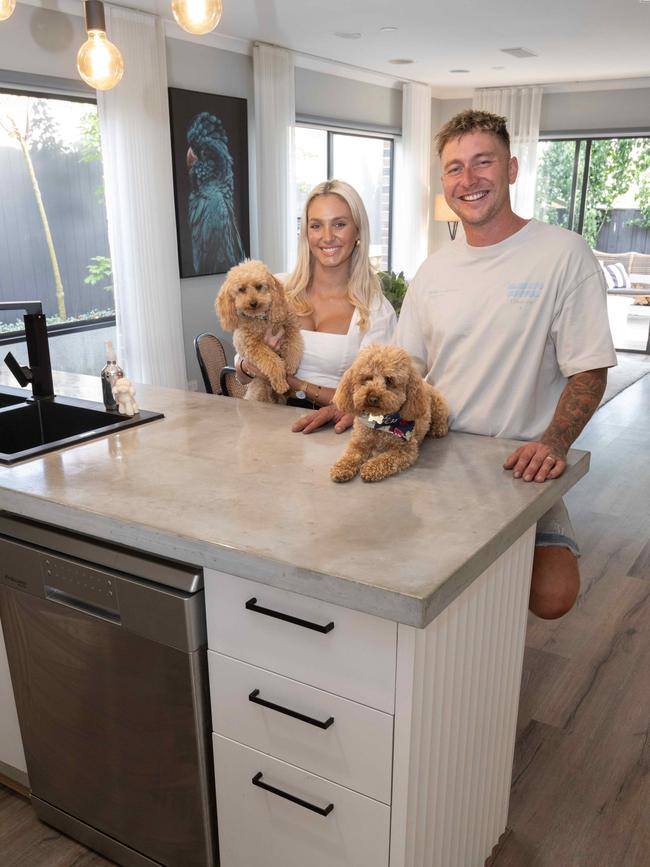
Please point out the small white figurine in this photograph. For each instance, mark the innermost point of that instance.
(124, 394)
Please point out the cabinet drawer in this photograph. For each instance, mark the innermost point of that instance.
(355, 658)
(258, 828)
(355, 750)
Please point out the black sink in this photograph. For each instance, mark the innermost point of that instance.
(11, 397)
(31, 428)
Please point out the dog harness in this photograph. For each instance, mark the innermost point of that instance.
(391, 423)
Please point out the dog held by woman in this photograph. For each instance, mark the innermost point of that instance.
(250, 300)
(394, 410)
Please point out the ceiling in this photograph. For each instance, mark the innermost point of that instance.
(573, 40)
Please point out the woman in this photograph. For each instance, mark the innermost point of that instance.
(337, 297)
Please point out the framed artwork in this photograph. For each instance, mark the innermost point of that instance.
(210, 161)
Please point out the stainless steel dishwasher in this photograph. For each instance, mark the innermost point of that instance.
(107, 653)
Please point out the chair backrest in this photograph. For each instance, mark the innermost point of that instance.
(230, 385)
(212, 358)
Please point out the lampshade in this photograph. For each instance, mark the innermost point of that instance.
(6, 8)
(99, 62)
(443, 213)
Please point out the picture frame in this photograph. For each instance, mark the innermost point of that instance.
(209, 137)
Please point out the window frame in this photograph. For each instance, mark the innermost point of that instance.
(38, 87)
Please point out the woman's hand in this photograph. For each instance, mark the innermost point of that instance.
(326, 414)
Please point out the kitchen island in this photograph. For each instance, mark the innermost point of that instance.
(425, 576)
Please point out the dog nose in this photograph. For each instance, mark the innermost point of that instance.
(373, 400)
(253, 304)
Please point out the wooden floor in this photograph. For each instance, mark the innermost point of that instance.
(581, 780)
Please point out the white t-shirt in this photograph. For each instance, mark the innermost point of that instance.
(326, 356)
(498, 329)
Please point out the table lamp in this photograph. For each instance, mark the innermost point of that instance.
(443, 213)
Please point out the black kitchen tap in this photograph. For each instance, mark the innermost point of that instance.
(39, 372)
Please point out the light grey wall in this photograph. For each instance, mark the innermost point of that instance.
(42, 42)
(595, 111)
(356, 103)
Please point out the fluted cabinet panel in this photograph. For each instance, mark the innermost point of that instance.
(458, 686)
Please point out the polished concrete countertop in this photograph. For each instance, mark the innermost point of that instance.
(224, 483)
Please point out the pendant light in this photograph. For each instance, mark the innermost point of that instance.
(197, 16)
(99, 62)
(6, 9)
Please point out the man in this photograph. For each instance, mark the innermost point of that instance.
(512, 327)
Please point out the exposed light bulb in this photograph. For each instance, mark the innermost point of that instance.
(6, 9)
(197, 16)
(99, 62)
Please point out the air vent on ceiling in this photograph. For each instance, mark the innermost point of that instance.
(518, 52)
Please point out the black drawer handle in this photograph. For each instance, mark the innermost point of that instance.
(308, 719)
(253, 606)
(322, 811)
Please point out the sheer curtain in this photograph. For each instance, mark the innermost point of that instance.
(412, 180)
(522, 107)
(275, 117)
(136, 151)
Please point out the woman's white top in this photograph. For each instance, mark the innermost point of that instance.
(327, 356)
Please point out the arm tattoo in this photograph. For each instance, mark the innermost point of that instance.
(578, 402)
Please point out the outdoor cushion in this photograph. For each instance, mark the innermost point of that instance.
(618, 276)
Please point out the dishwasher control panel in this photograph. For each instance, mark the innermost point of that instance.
(69, 581)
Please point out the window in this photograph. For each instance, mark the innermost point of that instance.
(365, 162)
(53, 231)
(600, 188)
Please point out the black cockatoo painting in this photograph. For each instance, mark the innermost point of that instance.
(216, 240)
(209, 136)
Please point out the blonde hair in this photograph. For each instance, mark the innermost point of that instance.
(363, 283)
(473, 120)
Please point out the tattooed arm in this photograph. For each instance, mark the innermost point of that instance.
(546, 458)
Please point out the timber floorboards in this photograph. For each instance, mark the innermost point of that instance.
(581, 779)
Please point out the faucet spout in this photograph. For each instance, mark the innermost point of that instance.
(38, 350)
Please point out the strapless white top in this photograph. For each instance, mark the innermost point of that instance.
(326, 356)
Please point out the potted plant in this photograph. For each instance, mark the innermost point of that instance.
(394, 287)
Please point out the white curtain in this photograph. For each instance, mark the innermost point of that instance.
(412, 180)
(136, 151)
(275, 116)
(521, 106)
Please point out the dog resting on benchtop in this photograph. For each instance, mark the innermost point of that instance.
(251, 300)
(394, 410)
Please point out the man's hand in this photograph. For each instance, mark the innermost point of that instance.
(313, 420)
(537, 462)
(546, 459)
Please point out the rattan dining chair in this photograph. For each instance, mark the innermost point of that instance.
(230, 385)
(212, 359)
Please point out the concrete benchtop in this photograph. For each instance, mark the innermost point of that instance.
(225, 484)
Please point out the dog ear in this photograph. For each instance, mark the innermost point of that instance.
(343, 394)
(415, 405)
(225, 307)
(280, 302)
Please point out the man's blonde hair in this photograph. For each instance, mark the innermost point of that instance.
(473, 120)
(363, 283)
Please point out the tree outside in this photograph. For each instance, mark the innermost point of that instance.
(616, 167)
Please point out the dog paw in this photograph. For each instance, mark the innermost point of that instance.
(281, 386)
(341, 472)
(373, 473)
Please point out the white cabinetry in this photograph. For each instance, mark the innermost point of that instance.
(303, 696)
(12, 756)
(415, 765)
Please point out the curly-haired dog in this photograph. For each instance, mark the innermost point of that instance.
(395, 409)
(249, 301)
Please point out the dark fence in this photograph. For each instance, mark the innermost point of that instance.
(619, 234)
(77, 221)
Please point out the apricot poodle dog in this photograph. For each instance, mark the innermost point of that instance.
(250, 300)
(395, 409)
